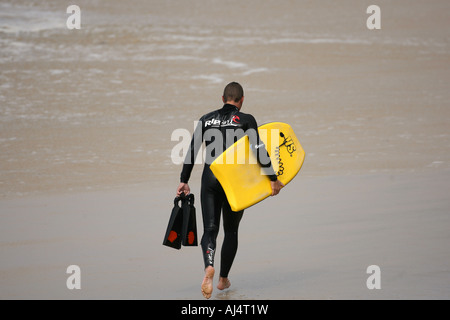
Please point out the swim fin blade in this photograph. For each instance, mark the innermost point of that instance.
(172, 237)
(189, 230)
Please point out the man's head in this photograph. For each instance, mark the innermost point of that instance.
(233, 94)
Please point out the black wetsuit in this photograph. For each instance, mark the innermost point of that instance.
(231, 125)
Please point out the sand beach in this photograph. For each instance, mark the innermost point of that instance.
(87, 116)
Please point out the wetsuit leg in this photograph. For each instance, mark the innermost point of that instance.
(231, 221)
(212, 198)
(213, 201)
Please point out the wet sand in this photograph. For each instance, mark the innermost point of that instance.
(86, 117)
(313, 241)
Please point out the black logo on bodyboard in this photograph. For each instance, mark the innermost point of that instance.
(290, 146)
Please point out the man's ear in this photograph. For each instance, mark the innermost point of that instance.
(223, 99)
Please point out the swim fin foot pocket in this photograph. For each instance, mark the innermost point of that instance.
(182, 227)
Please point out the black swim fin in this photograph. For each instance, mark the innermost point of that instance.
(189, 230)
(172, 237)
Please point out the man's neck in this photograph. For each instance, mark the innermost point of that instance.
(236, 104)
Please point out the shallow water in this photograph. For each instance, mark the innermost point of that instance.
(96, 107)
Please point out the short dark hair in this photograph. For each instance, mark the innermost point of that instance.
(233, 92)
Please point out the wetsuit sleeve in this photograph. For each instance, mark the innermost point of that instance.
(260, 149)
(189, 161)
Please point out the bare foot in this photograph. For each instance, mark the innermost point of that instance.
(207, 284)
(224, 283)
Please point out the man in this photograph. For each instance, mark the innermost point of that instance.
(225, 122)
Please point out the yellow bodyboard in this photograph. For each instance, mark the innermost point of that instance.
(242, 177)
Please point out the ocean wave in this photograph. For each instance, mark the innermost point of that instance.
(229, 64)
(19, 18)
(212, 78)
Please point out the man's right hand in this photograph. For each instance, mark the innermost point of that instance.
(183, 188)
(276, 187)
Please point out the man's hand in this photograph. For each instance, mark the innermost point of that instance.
(276, 187)
(183, 188)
